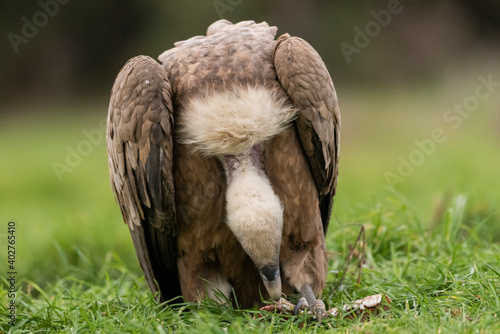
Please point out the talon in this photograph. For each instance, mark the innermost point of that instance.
(319, 310)
(301, 305)
(319, 315)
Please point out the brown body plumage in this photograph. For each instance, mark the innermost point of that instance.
(172, 175)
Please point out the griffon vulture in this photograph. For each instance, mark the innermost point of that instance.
(224, 163)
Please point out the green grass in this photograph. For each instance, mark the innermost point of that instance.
(432, 241)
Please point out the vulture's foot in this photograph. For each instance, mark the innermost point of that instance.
(301, 305)
(308, 300)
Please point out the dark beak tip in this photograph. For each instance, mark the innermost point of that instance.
(270, 273)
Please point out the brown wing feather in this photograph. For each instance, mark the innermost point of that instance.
(140, 150)
(303, 75)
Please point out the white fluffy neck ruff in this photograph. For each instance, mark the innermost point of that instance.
(231, 122)
(254, 211)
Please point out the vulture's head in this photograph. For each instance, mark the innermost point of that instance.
(255, 215)
(234, 126)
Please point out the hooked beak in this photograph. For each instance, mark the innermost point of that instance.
(272, 281)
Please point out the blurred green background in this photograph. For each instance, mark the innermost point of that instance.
(399, 80)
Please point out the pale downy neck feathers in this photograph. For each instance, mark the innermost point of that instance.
(234, 126)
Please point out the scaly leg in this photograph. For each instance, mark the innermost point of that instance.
(308, 300)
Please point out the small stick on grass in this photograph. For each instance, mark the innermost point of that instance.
(361, 257)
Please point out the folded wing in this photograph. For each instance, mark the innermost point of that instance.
(303, 75)
(140, 151)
